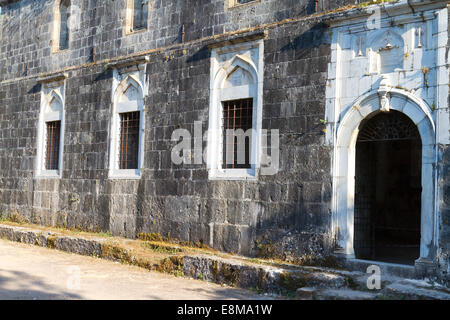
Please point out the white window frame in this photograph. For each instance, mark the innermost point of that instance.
(48, 94)
(250, 57)
(121, 84)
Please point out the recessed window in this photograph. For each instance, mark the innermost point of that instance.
(140, 14)
(235, 118)
(61, 30)
(53, 135)
(237, 133)
(127, 130)
(234, 3)
(136, 15)
(64, 10)
(129, 140)
(51, 131)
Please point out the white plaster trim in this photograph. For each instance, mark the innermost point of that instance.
(50, 91)
(344, 168)
(219, 72)
(400, 12)
(121, 82)
(442, 117)
(419, 90)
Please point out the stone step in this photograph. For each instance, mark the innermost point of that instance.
(417, 290)
(387, 269)
(345, 294)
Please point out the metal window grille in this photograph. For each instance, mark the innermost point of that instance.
(237, 119)
(129, 140)
(52, 147)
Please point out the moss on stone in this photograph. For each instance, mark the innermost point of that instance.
(230, 275)
(112, 252)
(150, 236)
(289, 283)
(162, 248)
(262, 275)
(171, 265)
(215, 270)
(51, 242)
(267, 250)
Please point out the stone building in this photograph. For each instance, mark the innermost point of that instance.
(114, 117)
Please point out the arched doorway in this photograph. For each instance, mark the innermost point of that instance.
(344, 167)
(388, 171)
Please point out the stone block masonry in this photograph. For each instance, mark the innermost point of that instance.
(175, 201)
(301, 282)
(287, 215)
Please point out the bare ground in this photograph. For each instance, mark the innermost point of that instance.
(35, 273)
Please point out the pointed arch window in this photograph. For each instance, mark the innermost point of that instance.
(235, 111)
(51, 132)
(127, 130)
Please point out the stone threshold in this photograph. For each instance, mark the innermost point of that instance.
(300, 282)
(387, 268)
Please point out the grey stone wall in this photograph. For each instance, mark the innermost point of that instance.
(289, 211)
(99, 32)
(444, 221)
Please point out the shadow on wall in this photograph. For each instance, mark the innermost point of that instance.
(16, 285)
(316, 36)
(311, 7)
(202, 54)
(302, 231)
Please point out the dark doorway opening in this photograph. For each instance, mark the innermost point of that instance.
(388, 189)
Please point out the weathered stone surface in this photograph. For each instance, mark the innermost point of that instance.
(25, 236)
(326, 280)
(79, 246)
(305, 282)
(418, 290)
(287, 215)
(271, 279)
(306, 293)
(345, 294)
(175, 201)
(232, 272)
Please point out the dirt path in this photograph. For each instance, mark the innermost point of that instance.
(35, 273)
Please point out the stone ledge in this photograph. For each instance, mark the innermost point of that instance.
(304, 282)
(128, 62)
(237, 38)
(418, 290)
(53, 77)
(264, 278)
(232, 272)
(52, 240)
